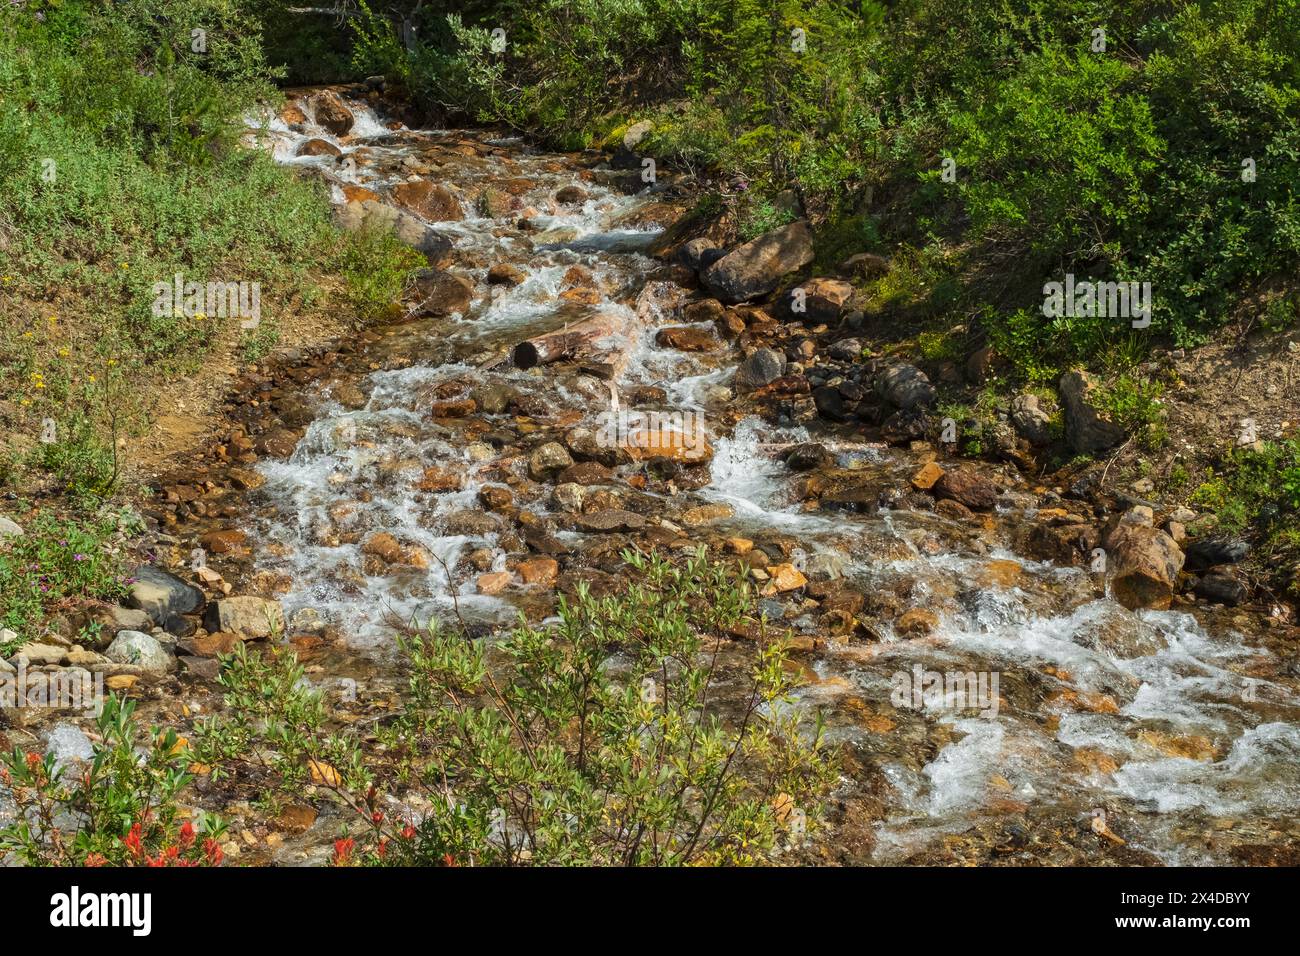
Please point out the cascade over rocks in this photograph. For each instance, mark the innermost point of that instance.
(418, 440)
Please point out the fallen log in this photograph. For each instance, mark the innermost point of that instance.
(562, 344)
(577, 342)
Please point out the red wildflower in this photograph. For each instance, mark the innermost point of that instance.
(94, 859)
(132, 841)
(408, 832)
(343, 850)
(186, 837)
(212, 852)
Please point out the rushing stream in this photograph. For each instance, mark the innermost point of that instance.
(1173, 734)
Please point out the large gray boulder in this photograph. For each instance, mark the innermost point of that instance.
(755, 268)
(164, 597)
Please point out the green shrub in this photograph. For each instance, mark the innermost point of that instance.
(1133, 403)
(1259, 487)
(120, 167)
(121, 810)
(606, 739)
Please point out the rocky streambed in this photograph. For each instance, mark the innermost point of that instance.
(669, 402)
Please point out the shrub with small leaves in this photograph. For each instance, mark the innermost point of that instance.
(118, 809)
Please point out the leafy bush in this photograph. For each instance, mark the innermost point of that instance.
(613, 737)
(120, 810)
(1133, 403)
(1256, 486)
(274, 716)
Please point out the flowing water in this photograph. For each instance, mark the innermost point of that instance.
(1178, 733)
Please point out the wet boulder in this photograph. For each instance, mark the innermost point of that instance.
(808, 456)
(548, 459)
(1086, 429)
(494, 399)
(331, 114)
(969, 487)
(494, 203)
(430, 200)
(571, 196)
(687, 338)
(248, 616)
(441, 293)
(292, 115)
(503, 273)
(319, 147)
(1061, 544)
(586, 473)
(1145, 564)
(760, 368)
(755, 269)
